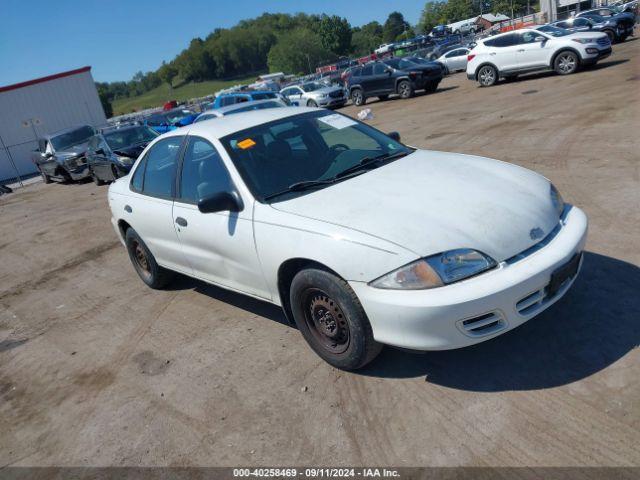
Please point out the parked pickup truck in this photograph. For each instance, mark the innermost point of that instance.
(61, 155)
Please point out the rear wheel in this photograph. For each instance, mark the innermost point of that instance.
(357, 97)
(145, 263)
(487, 76)
(312, 103)
(405, 89)
(332, 320)
(566, 63)
(611, 35)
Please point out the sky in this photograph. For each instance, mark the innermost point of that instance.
(117, 38)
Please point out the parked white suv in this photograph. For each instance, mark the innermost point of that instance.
(362, 240)
(509, 54)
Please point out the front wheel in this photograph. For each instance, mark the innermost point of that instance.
(332, 320)
(405, 89)
(487, 76)
(566, 63)
(611, 34)
(312, 103)
(145, 263)
(357, 97)
(45, 178)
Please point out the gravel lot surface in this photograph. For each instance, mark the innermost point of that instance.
(97, 369)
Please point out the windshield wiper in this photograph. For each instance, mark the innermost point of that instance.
(369, 162)
(300, 186)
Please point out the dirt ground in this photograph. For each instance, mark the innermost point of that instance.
(97, 369)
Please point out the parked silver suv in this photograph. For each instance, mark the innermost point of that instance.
(315, 94)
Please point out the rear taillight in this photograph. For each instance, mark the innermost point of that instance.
(470, 57)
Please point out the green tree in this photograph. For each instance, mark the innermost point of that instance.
(394, 26)
(105, 97)
(167, 72)
(335, 34)
(298, 52)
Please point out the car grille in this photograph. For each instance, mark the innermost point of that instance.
(336, 94)
(482, 325)
(603, 41)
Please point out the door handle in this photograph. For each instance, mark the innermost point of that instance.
(521, 50)
(181, 221)
(127, 209)
(492, 53)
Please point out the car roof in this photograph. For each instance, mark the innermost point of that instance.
(65, 130)
(236, 106)
(228, 124)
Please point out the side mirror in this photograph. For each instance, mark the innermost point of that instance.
(394, 136)
(221, 202)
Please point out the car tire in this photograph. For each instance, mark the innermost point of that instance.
(115, 172)
(66, 177)
(487, 76)
(95, 178)
(405, 89)
(311, 103)
(566, 63)
(431, 87)
(611, 34)
(144, 263)
(382, 98)
(45, 178)
(331, 319)
(357, 97)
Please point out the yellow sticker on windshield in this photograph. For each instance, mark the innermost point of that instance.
(246, 143)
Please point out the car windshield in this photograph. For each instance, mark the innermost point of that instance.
(177, 115)
(129, 136)
(263, 95)
(554, 31)
(255, 106)
(315, 148)
(74, 137)
(596, 18)
(404, 63)
(418, 60)
(311, 86)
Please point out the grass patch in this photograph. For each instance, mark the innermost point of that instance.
(159, 95)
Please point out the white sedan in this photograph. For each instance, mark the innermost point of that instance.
(455, 60)
(362, 240)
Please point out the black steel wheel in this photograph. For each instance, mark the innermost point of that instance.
(145, 263)
(332, 320)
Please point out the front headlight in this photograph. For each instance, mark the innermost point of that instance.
(556, 199)
(585, 40)
(436, 270)
(323, 95)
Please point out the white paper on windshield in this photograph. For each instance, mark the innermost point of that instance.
(337, 121)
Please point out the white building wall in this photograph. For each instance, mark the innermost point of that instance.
(29, 112)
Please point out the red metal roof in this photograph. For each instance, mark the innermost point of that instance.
(35, 81)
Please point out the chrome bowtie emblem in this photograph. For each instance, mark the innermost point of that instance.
(536, 233)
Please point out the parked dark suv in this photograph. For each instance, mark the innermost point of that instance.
(377, 79)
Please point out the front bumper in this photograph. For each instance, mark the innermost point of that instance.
(79, 172)
(595, 53)
(332, 102)
(506, 297)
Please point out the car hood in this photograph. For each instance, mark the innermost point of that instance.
(132, 151)
(325, 90)
(429, 202)
(73, 150)
(589, 34)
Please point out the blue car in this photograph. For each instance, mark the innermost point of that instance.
(227, 99)
(170, 120)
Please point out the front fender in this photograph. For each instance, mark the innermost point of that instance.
(354, 255)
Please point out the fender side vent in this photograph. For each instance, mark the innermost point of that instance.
(482, 325)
